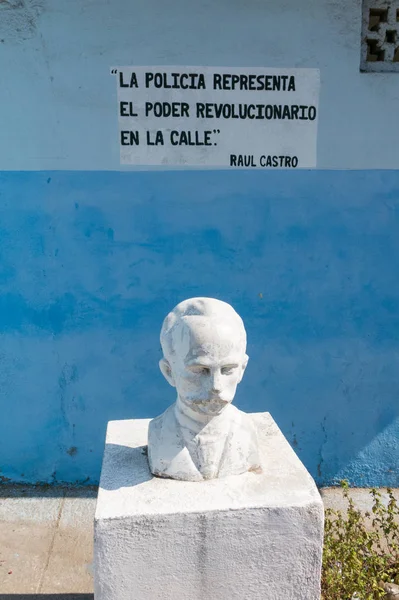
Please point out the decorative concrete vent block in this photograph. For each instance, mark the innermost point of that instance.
(380, 36)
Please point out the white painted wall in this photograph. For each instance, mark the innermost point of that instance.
(58, 99)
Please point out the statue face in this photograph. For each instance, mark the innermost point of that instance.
(209, 363)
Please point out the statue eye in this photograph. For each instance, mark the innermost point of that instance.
(228, 370)
(199, 370)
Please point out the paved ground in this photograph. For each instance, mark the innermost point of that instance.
(46, 540)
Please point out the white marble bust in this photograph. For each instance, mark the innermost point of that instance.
(202, 436)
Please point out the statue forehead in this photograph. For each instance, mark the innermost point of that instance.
(202, 335)
(203, 328)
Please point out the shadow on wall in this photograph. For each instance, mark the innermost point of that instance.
(92, 262)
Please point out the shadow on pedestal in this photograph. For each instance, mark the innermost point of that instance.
(129, 467)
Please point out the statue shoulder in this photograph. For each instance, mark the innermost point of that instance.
(246, 431)
(242, 419)
(161, 431)
(160, 423)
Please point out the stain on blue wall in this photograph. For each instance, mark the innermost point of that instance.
(90, 263)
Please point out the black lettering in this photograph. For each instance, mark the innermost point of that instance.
(261, 82)
(269, 161)
(227, 111)
(175, 84)
(123, 109)
(251, 111)
(164, 80)
(275, 161)
(284, 80)
(269, 111)
(218, 109)
(234, 80)
(277, 111)
(125, 138)
(173, 135)
(294, 161)
(191, 138)
(312, 113)
(121, 82)
(159, 81)
(268, 82)
(209, 110)
(242, 111)
(252, 82)
(244, 82)
(207, 138)
(148, 78)
(130, 138)
(286, 112)
(217, 84)
(200, 110)
(158, 139)
(287, 162)
(262, 160)
(192, 81)
(134, 138)
(233, 160)
(201, 82)
(303, 116)
(276, 83)
(131, 110)
(294, 111)
(249, 161)
(182, 78)
(291, 84)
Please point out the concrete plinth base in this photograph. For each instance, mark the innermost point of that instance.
(249, 537)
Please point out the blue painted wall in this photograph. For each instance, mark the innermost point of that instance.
(91, 262)
(93, 255)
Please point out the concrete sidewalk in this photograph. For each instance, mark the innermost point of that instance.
(46, 539)
(46, 542)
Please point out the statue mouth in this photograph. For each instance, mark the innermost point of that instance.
(218, 399)
(210, 400)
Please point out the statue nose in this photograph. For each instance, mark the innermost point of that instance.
(216, 383)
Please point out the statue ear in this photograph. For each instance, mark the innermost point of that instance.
(243, 366)
(166, 371)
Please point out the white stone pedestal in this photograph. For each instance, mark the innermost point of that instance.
(249, 537)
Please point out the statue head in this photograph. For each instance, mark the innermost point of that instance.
(204, 353)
